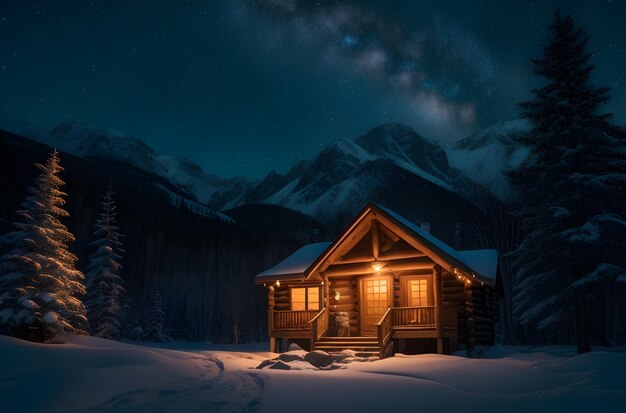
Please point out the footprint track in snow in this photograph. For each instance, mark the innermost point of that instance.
(228, 391)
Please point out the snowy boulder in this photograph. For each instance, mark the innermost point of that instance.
(280, 365)
(318, 358)
(265, 364)
(294, 347)
(291, 356)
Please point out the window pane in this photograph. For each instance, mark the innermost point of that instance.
(314, 298)
(417, 292)
(298, 298)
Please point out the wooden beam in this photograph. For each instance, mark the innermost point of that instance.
(389, 256)
(326, 291)
(366, 268)
(347, 243)
(400, 255)
(375, 239)
(348, 269)
(413, 242)
(356, 259)
(421, 271)
(409, 264)
(389, 238)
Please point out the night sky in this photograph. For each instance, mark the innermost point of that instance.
(246, 87)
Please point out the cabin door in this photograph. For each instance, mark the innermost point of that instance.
(376, 295)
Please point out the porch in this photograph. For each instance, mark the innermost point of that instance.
(418, 322)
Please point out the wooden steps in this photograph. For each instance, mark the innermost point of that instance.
(357, 344)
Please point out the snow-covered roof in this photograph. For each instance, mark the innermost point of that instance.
(483, 262)
(293, 266)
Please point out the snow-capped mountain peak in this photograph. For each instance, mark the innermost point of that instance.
(486, 155)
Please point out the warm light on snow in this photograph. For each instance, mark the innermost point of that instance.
(102, 375)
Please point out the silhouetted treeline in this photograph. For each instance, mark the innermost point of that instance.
(203, 267)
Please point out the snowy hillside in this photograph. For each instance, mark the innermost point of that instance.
(485, 155)
(97, 375)
(193, 206)
(84, 140)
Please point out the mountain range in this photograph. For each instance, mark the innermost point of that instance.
(390, 164)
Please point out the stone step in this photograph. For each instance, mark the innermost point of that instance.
(360, 344)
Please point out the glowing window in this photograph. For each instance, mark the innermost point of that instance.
(417, 292)
(305, 298)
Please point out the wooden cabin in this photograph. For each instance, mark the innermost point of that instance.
(385, 285)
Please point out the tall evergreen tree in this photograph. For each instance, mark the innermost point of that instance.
(40, 287)
(573, 196)
(155, 322)
(103, 280)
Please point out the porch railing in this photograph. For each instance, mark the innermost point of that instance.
(414, 316)
(319, 325)
(384, 330)
(292, 319)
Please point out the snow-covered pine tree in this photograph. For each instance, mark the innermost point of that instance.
(155, 321)
(40, 287)
(573, 189)
(103, 280)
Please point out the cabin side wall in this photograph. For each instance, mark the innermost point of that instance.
(281, 298)
(454, 297)
(485, 314)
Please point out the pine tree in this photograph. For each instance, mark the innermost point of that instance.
(104, 283)
(40, 287)
(155, 323)
(573, 189)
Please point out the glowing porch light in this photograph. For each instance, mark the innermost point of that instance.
(277, 283)
(377, 265)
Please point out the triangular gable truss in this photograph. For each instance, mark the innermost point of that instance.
(390, 239)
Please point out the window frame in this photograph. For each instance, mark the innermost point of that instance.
(405, 284)
(306, 297)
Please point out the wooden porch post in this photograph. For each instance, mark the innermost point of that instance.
(326, 292)
(439, 307)
(270, 318)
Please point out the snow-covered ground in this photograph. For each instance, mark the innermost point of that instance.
(91, 374)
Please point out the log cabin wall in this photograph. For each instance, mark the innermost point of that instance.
(454, 297)
(470, 332)
(397, 290)
(485, 313)
(281, 298)
(348, 301)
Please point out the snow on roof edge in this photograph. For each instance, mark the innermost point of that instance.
(295, 264)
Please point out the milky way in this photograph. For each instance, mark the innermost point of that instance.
(247, 86)
(437, 70)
